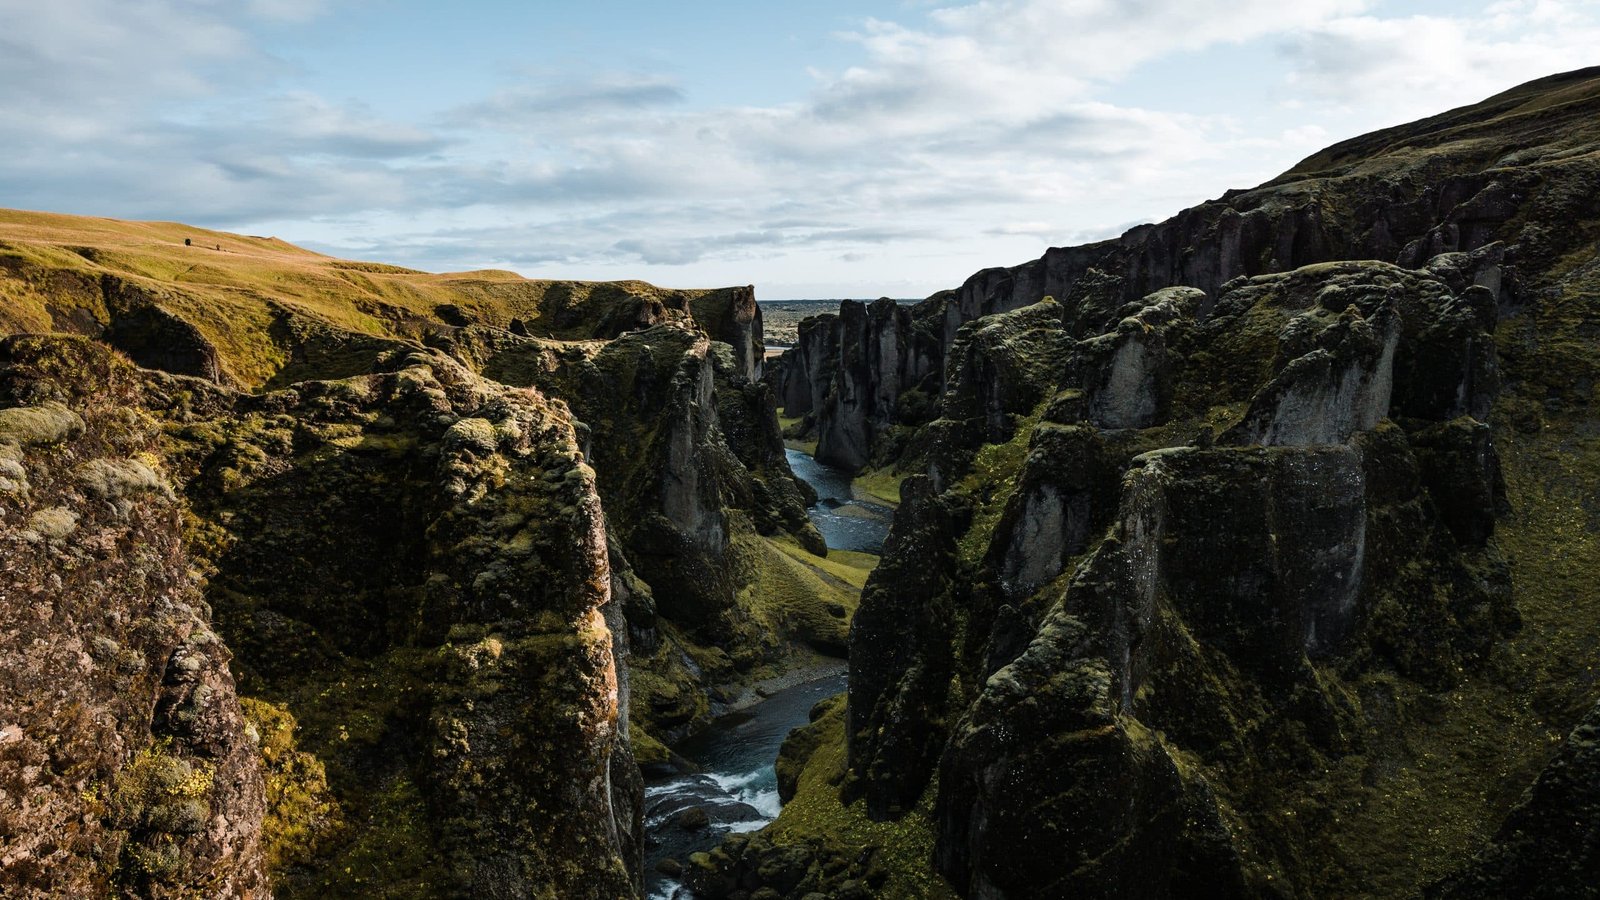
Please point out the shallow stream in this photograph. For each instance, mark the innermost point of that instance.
(736, 787)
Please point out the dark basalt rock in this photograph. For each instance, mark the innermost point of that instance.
(904, 678)
(1263, 665)
(867, 382)
(155, 337)
(1046, 791)
(1339, 387)
(733, 316)
(805, 371)
(1129, 375)
(1001, 367)
(855, 375)
(1065, 495)
(1214, 582)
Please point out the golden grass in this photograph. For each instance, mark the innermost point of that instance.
(227, 285)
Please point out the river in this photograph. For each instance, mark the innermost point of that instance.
(846, 523)
(736, 787)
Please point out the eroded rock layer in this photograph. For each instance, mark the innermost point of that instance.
(471, 541)
(1240, 556)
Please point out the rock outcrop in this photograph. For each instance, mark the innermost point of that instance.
(854, 377)
(1225, 573)
(129, 768)
(401, 559)
(805, 370)
(1238, 591)
(691, 467)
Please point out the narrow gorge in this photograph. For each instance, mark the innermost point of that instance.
(1248, 554)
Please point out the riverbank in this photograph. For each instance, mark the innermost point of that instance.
(820, 668)
(723, 779)
(734, 788)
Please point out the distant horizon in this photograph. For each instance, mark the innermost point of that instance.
(837, 299)
(885, 148)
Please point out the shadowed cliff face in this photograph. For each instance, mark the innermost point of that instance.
(690, 463)
(1206, 597)
(1231, 557)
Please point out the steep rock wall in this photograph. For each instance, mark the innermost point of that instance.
(399, 561)
(128, 765)
(1211, 594)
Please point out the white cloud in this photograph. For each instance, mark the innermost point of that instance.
(287, 10)
(976, 137)
(1414, 66)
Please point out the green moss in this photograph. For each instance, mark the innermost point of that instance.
(881, 485)
(795, 436)
(815, 816)
(301, 811)
(647, 751)
(847, 566)
(990, 483)
(790, 594)
(394, 853)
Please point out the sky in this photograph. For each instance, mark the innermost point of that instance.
(820, 149)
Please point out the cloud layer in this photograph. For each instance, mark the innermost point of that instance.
(967, 135)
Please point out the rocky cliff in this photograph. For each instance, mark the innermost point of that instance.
(130, 768)
(1505, 170)
(1241, 556)
(465, 542)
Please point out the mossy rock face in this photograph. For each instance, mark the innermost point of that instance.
(412, 565)
(414, 568)
(1001, 366)
(903, 617)
(878, 353)
(691, 469)
(1211, 590)
(665, 387)
(129, 769)
(1044, 742)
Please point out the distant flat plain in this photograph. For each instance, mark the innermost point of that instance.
(781, 319)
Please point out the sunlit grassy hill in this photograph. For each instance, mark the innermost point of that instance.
(248, 307)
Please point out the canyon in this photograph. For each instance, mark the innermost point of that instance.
(1248, 554)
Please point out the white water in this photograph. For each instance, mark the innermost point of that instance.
(737, 785)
